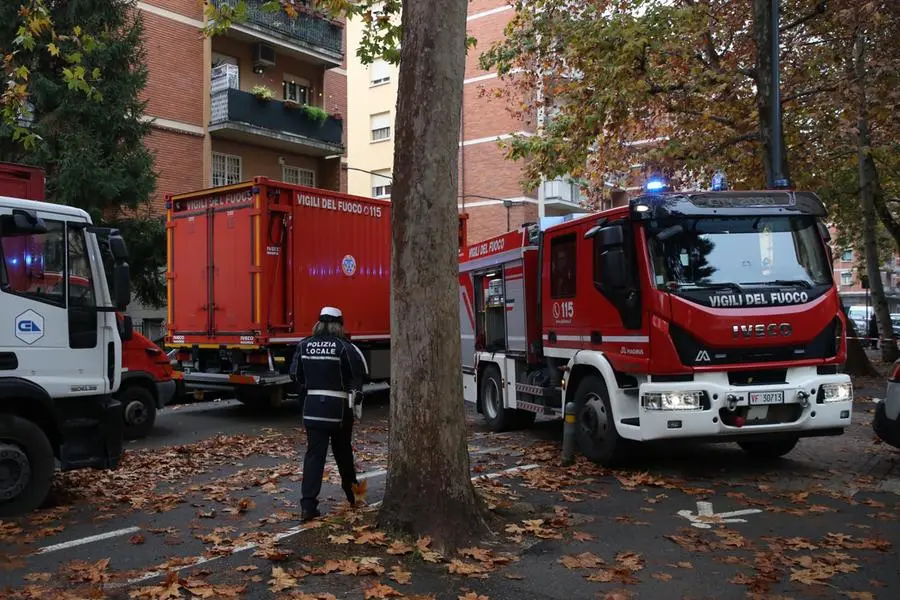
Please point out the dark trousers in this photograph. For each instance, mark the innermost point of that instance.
(314, 462)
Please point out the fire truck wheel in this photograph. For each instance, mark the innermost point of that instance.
(766, 451)
(596, 431)
(139, 411)
(26, 466)
(498, 418)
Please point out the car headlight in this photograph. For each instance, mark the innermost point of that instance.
(836, 392)
(672, 400)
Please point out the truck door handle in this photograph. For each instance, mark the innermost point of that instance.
(8, 361)
(596, 338)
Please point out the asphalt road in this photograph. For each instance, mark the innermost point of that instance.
(216, 487)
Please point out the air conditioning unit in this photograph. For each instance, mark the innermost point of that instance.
(263, 56)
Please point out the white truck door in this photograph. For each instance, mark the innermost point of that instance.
(51, 333)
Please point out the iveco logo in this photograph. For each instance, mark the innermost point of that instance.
(761, 330)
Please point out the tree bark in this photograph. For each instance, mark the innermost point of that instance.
(884, 212)
(762, 30)
(858, 363)
(867, 180)
(429, 491)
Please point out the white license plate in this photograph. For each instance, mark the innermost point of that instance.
(757, 398)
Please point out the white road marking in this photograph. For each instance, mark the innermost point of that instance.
(706, 518)
(88, 540)
(290, 532)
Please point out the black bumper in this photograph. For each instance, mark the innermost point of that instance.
(92, 432)
(887, 430)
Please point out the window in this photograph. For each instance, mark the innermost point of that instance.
(381, 184)
(846, 278)
(33, 264)
(295, 89)
(379, 72)
(562, 266)
(298, 176)
(381, 126)
(82, 314)
(847, 256)
(226, 169)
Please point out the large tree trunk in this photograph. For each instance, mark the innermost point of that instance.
(429, 490)
(867, 204)
(884, 212)
(763, 32)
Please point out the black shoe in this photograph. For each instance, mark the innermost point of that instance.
(309, 515)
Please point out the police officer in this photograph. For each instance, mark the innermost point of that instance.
(333, 371)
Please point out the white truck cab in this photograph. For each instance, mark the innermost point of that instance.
(60, 347)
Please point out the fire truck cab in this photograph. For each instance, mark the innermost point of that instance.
(704, 315)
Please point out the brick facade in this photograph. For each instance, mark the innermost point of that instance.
(175, 70)
(175, 171)
(484, 173)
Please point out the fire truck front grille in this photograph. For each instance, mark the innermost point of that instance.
(690, 349)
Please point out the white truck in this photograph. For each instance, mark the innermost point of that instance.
(60, 347)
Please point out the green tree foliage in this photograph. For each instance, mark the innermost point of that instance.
(72, 106)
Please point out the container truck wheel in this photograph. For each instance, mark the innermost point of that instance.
(596, 431)
(261, 398)
(139, 411)
(26, 466)
(497, 417)
(768, 451)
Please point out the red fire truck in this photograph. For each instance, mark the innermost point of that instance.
(249, 267)
(704, 315)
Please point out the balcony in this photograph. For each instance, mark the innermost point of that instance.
(307, 36)
(242, 117)
(563, 195)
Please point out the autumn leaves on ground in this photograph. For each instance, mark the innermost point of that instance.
(218, 518)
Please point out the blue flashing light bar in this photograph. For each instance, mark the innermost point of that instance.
(655, 185)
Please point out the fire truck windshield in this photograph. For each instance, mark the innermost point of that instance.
(737, 253)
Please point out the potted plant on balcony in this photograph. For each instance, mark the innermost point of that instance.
(262, 92)
(315, 113)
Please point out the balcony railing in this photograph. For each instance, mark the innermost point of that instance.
(231, 106)
(562, 190)
(305, 29)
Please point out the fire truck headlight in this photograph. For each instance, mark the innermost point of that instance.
(836, 392)
(672, 400)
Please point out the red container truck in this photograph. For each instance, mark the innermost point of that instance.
(710, 316)
(249, 267)
(147, 382)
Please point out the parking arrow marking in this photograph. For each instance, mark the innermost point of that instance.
(706, 517)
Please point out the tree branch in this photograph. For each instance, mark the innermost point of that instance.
(810, 92)
(819, 9)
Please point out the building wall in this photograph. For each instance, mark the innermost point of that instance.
(364, 100)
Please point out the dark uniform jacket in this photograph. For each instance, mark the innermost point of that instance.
(329, 368)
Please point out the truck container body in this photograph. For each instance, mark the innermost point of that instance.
(704, 315)
(60, 355)
(249, 268)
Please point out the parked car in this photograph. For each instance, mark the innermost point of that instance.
(887, 412)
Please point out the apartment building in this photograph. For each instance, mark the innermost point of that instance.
(490, 188)
(265, 98)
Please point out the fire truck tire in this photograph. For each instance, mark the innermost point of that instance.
(596, 431)
(27, 462)
(768, 451)
(138, 410)
(497, 417)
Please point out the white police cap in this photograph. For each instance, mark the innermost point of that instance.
(330, 313)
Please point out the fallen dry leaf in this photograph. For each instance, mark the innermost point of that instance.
(399, 548)
(472, 596)
(340, 539)
(585, 560)
(380, 590)
(281, 580)
(137, 539)
(399, 575)
(662, 576)
(582, 537)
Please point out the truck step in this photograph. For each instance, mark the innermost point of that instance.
(536, 390)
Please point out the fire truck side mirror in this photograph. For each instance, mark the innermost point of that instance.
(611, 236)
(614, 268)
